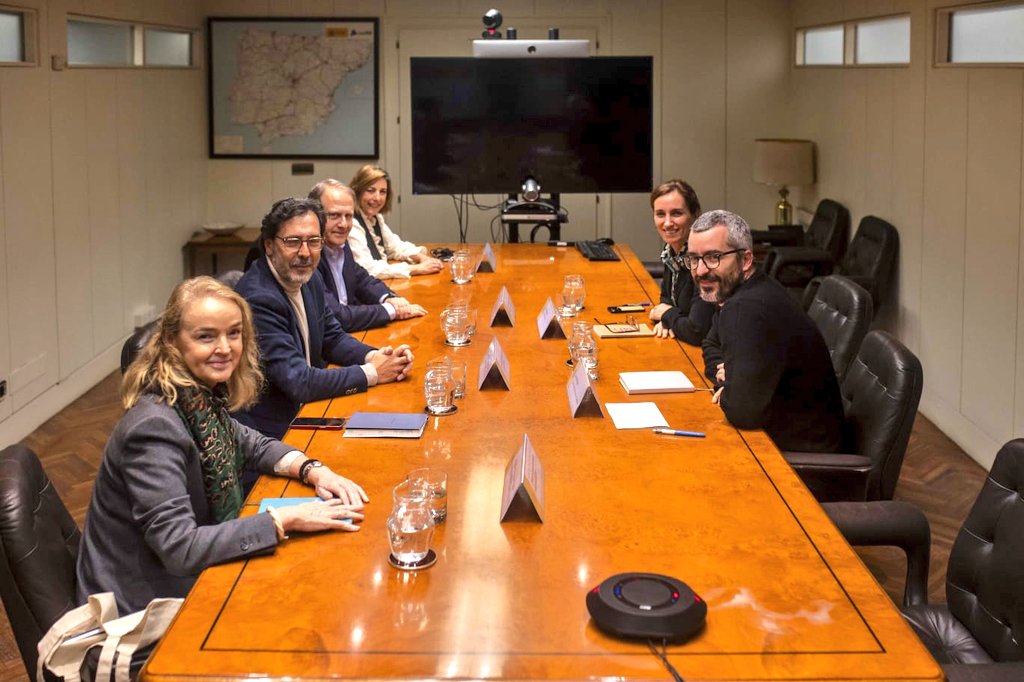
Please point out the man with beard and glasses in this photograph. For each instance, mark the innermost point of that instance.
(297, 333)
(767, 359)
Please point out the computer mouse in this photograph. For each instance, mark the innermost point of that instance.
(606, 240)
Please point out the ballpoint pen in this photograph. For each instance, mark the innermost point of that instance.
(675, 432)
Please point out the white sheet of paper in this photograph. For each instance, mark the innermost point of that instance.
(635, 415)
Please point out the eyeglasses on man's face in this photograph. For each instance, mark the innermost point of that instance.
(295, 243)
(711, 260)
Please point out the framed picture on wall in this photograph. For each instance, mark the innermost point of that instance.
(293, 87)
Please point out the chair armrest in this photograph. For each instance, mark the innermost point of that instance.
(796, 265)
(779, 235)
(984, 672)
(801, 255)
(889, 523)
(832, 477)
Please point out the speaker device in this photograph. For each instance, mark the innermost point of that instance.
(646, 605)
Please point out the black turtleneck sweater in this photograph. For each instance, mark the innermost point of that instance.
(778, 373)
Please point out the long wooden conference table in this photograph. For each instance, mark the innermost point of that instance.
(787, 597)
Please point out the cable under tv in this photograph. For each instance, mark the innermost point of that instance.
(646, 605)
(509, 49)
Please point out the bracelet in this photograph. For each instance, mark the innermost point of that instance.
(278, 526)
(305, 468)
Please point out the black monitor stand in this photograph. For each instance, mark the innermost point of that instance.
(542, 213)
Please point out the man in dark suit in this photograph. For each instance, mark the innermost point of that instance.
(359, 300)
(296, 330)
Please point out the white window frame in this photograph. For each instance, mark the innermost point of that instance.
(849, 44)
(29, 35)
(138, 46)
(943, 35)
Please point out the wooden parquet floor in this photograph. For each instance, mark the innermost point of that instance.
(937, 476)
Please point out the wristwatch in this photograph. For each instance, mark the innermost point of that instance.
(308, 466)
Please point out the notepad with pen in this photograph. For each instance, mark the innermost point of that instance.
(385, 425)
(640, 383)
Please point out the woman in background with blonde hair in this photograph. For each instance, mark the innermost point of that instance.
(373, 244)
(168, 494)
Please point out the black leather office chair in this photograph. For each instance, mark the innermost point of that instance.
(842, 311)
(38, 551)
(869, 260)
(813, 253)
(979, 633)
(881, 391)
(134, 344)
(829, 230)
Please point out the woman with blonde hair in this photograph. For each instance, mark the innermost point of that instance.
(374, 246)
(168, 494)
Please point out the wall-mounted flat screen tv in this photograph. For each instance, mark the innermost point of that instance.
(576, 125)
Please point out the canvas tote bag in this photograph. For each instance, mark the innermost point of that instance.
(96, 623)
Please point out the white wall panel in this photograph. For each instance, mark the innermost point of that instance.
(878, 139)
(757, 83)
(1018, 421)
(29, 232)
(908, 179)
(105, 229)
(991, 248)
(691, 77)
(942, 275)
(5, 325)
(133, 217)
(71, 219)
(239, 190)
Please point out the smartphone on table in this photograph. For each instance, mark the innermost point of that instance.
(313, 423)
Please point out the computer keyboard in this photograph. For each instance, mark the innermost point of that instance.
(594, 250)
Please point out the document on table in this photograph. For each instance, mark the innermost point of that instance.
(635, 415)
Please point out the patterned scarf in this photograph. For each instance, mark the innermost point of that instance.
(205, 414)
(673, 264)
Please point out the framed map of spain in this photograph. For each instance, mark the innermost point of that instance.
(293, 87)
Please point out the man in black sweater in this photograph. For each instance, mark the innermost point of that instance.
(769, 362)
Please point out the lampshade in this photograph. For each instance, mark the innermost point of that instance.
(784, 162)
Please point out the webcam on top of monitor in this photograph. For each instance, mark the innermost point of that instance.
(492, 22)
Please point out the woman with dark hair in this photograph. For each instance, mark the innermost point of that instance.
(374, 246)
(681, 313)
(168, 494)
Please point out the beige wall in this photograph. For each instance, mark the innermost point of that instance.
(103, 176)
(721, 69)
(937, 152)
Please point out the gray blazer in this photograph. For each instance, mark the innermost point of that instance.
(149, 532)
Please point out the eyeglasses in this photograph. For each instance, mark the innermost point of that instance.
(627, 327)
(295, 243)
(711, 260)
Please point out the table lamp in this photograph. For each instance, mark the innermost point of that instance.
(782, 163)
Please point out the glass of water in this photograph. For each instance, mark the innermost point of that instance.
(462, 267)
(459, 377)
(574, 283)
(438, 386)
(410, 525)
(435, 482)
